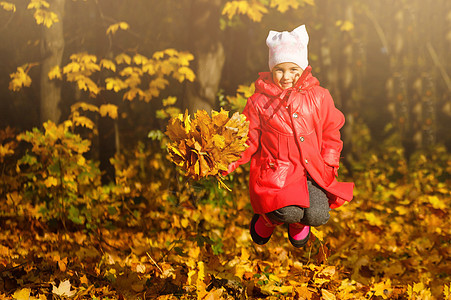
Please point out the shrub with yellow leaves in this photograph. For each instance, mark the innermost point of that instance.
(205, 146)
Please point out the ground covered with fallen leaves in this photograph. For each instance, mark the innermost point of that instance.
(175, 238)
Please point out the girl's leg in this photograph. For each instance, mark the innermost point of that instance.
(318, 212)
(288, 214)
(261, 228)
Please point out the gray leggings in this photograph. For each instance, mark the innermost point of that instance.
(315, 215)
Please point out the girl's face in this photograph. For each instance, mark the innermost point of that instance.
(286, 74)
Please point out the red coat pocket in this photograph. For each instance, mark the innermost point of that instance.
(273, 173)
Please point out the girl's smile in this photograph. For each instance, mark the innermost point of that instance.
(286, 74)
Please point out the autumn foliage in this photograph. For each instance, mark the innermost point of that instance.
(153, 234)
(206, 145)
(163, 228)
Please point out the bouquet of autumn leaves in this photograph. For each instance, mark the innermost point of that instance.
(205, 146)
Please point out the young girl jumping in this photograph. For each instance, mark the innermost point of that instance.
(294, 144)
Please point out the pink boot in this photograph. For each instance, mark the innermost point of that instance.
(262, 228)
(299, 234)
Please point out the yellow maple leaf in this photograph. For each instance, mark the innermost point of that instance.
(38, 4)
(5, 150)
(131, 72)
(123, 58)
(84, 106)
(133, 93)
(115, 84)
(158, 55)
(83, 121)
(109, 110)
(185, 58)
(108, 64)
(23, 294)
(8, 6)
(284, 5)
(55, 72)
(158, 83)
(256, 11)
(382, 289)
(169, 101)
(19, 79)
(115, 27)
(186, 73)
(50, 181)
(140, 59)
(47, 18)
(86, 84)
(171, 52)
(72, 67)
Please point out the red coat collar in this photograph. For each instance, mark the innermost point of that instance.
(266, 85)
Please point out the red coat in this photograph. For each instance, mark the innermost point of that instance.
(292, 133)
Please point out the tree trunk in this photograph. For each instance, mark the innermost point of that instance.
(52, 47)
(209, 55)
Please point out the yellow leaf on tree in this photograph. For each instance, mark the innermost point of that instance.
(115, 27)
(123, 58)
(185, 58)
(284, 5)
(186, 73)
(83, 121)
(47, 18)
(86, 84)
(5, 150)
(132, 93)
(109, 110)
(8, 6)
(115, 84)
(50, 181)
(55, 72)
(19, 79)
(108, 64)
(84, 106)
(140, 59)
(73, 67)
(38, 4)
(171, 52)
(158, 84)
(254, 10)
(169, 101)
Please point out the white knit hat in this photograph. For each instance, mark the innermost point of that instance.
(288, 47)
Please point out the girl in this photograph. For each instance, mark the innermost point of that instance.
(294, 144)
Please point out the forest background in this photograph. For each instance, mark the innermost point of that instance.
(92, 207)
